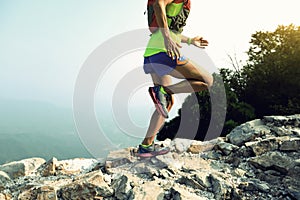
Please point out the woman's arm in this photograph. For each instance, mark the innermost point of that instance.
(160, 12)
(185, 39)
(197, 41)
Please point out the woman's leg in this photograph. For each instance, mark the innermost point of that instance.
(157, 120)
(197, 79)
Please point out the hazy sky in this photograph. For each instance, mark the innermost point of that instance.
(44, 43)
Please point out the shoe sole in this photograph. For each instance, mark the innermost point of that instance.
(152, 154)
(157, 104)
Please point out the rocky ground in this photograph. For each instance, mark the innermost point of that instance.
(257, 160)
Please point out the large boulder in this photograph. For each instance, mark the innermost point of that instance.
(39, 193)
(22, 168)
(247, 132)
(274, 161)
(87, 186)
(4, 178)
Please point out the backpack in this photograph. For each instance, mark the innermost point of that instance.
(175, 23)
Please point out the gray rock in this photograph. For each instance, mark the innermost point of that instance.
(46, 193)
(179, 193)
(22, 168)
(295, 172)
(239, 172)
(74, 166)
(169, 160)
(197, 147)
(118, 158)
(39, 193)
(87, 186)
(4, 178)
(254, 185)
(190, 181)
(5, 196)
(220, 187)
(260, 147)
(258, 159)
(292, 186)
(292, 120)
(226, 148)
(122, 187)
(48, 168)
(181, 145)
(289, 144)
(246, 132)
(202, 177)
(273, 160)
(148, 191)
(281, 131)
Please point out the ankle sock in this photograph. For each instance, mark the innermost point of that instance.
(146, 145)
(162, 89)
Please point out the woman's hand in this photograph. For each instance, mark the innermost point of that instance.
(172, 48)
(199, 42)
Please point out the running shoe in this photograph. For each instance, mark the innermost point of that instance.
(152, 150)
(160, 100)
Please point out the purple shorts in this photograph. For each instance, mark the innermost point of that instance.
(161, 64)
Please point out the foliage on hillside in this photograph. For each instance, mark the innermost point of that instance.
(269, 84)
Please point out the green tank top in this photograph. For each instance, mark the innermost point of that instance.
(156, 43)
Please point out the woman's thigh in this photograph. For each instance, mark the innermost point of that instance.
(161, 80)
(192, 71)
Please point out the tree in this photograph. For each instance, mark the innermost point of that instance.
(198, 108)
(273, 72)
(268, 85)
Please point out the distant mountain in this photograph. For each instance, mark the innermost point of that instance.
(33, 128)
(25, 116)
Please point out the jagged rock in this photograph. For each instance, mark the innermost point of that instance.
(247, 131)
(281, 131)
(294, 172)
(289, 143)
(148, 191)
(296, 132)
(122, 187)
(148, 166)
(195, 164)
(88, 186)
(292, 120)
(259, 159)
(5, 196)
(118, 158)
(4, 178)
(260, 147)
(226, 148)
(170, 160)
(181, 145)
(46, 193)
(255, 185)
(198, 146)
(39, 193)
(202, 177)
(244, 151)
(48, 168)
(22, 167)
(74, 166)
(221, 187)
(179, 193)
(273, 160)
(190, 181)
(293, 186)
(239, 172)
